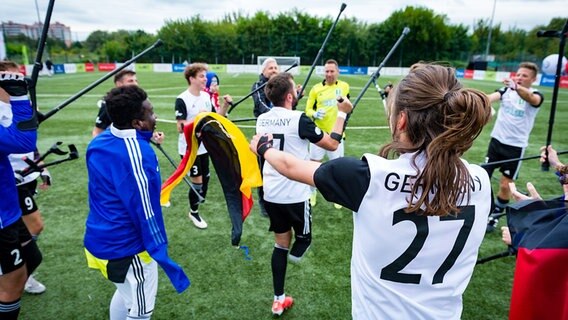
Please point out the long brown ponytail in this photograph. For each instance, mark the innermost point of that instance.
(443, 120)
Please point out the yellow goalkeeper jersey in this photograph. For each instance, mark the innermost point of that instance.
(323, 96)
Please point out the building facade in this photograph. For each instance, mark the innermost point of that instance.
(56, 31)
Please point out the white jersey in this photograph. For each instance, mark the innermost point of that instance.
(515, 119)
(187, 107)
(292, 132)
(405, 266)
(5, 114)
(19, 164)
(16, 159)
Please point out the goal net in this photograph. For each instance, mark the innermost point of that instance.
(283, 63)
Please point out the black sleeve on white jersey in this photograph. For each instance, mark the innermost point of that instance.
(541, 98)
(502, 90)
(343, 181)
(181, 111)
(307, 129)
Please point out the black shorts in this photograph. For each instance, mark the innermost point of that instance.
(11, 239)
(284, 217)
(26, 194)
(201, 166)
(498, 152)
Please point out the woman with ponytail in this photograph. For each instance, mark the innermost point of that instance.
(420, 210)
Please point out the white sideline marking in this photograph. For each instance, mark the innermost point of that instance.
(248, 126)
(173, 96)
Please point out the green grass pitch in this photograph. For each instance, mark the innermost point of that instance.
(224, 284)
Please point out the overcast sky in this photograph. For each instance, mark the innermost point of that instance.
(85, 16)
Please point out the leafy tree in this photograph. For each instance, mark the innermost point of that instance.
(240, 38)
(224, 43)
(136, 42)
(254, 36)
(348, 43)
(510, 45)
(459, 44)
(283, 39)
(311, 33)
(427, 40)
(96, 40)
(542, 47)
(114, 50)
(189, 40)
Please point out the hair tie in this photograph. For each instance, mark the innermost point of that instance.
(447, 96)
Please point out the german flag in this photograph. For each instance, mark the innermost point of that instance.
(539, 231)
(236, 166)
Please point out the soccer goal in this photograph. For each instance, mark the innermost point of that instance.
(283, 62)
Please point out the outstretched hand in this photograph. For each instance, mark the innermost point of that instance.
(533, 194)
(506, 236)
(158, 137)
(552, 156)
(227, 102)
(510, 83)
(45, 179)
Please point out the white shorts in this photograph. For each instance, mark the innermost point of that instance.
(317, 153)
(140, 287)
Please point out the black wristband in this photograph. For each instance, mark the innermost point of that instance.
(263, 145)
(336, 136)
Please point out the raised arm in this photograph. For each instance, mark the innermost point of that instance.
(13, 94)
(285, 163)
(331, 141)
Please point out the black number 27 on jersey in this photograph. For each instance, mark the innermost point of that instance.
(392, 271)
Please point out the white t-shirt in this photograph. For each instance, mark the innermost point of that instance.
(5, 114)
(187, 107)
(292, 132)
(16, 158)
(515, 119)
(18, 164)
(405, 266)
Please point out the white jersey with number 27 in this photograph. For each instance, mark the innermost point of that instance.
(410, 266)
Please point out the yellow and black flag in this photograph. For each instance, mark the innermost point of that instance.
(236, 166)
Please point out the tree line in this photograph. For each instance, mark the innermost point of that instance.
(239, 39)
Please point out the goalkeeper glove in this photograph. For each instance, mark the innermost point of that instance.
(14, 84)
